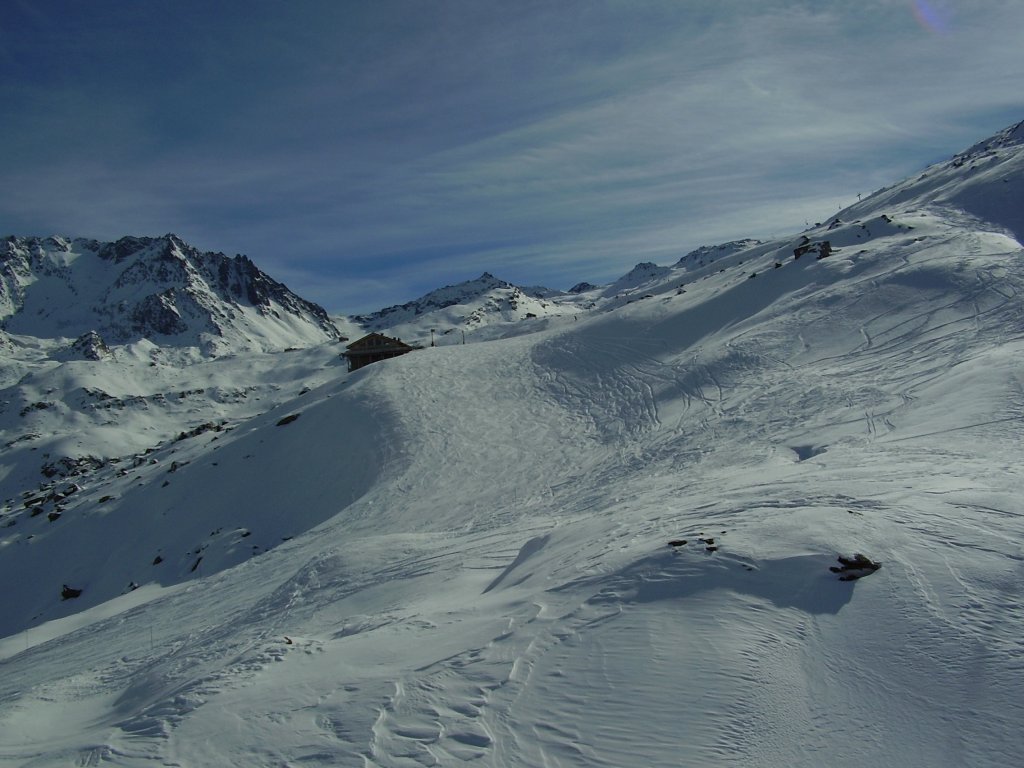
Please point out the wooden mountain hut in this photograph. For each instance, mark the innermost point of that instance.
(374, 348)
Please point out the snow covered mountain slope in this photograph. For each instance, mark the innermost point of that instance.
(64, 422)
(484, 308)
(641, 275)
(985, 182)
(707, 254)
(160, 289)
(462, 556)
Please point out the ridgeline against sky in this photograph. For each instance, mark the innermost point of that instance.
(365, 153)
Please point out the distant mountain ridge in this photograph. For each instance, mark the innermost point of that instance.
(161, 289)
(483, 306)
(168, 292)
(440, 298)
(707, 254)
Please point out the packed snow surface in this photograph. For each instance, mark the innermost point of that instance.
(461, 556)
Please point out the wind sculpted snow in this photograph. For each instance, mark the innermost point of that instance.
(464, 552)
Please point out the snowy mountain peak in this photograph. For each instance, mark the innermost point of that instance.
(488, 279)
(158, 288)
(481, 306)
(90, 346)
(643, 273)
(643, 268)
(1012, 136)
(707, 254)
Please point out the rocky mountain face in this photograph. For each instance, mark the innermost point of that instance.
(161, 289)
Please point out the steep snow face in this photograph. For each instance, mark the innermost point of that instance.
(985, 182)
(198, 526)
(157, 288)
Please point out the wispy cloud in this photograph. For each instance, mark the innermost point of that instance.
(394, 146)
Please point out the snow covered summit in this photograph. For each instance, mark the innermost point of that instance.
(486, 307)
(160, 289)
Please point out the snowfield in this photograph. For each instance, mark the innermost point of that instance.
(461, 556)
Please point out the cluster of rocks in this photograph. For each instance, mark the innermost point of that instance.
(849, 569)
(208, 426)
(821, 249)
(707, 541)
(69, 467)
(51, 499)
(856, 567)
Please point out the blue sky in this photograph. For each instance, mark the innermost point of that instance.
(367, 152)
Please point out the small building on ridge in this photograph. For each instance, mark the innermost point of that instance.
(374, 348)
